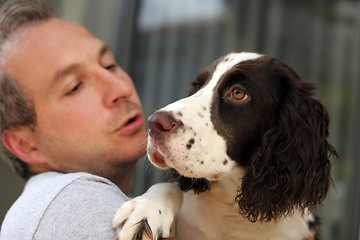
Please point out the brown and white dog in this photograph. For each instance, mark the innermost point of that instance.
(248, 148)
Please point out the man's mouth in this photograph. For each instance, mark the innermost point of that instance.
(131, 120)
(134, 124)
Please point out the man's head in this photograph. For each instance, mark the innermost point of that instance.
(78, 110)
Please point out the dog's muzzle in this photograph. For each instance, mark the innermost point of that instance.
(162, 124)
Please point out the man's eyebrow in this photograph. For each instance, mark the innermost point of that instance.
(105, 49)
(62, 73)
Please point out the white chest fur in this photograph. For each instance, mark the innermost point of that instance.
(214, 215)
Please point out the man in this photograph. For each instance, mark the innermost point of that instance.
(70, 120)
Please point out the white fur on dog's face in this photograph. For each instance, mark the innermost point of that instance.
(196, 149)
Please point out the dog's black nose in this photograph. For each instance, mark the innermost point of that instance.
(161, 122)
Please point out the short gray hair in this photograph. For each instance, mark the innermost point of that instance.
(16, 109)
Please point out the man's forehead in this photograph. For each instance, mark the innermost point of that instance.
(53, 32)
(10, 44)
(42, 42)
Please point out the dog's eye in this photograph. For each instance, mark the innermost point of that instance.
(238, 94)
(195, 85)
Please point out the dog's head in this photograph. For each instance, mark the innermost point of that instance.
(252, 111)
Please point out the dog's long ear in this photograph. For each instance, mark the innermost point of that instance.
(291, 168)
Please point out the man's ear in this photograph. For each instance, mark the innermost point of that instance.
(19, 143)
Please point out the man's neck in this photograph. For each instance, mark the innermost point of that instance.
(123, 177)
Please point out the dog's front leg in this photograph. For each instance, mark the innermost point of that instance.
(151, 215)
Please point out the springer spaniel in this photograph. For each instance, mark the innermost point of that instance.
(248, 149)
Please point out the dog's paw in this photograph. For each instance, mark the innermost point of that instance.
(149, 216)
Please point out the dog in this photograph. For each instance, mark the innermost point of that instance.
(248, 148)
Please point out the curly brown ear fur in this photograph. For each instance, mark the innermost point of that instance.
(291, 169)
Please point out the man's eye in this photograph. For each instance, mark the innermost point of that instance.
(74, 90)
(110, 67)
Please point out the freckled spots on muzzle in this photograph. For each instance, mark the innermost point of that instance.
(190, 143)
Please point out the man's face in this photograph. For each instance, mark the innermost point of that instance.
(89, 116)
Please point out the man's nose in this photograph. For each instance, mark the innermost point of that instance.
(117, 88)
(162, 123)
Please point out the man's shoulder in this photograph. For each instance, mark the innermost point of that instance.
(60, 180)
(51, 199)
(82, 188)
(53, 187)
(56, 183)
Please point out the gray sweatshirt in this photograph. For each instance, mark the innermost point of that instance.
(63, 206)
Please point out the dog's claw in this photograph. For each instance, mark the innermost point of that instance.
(149, 216)
(143, 228)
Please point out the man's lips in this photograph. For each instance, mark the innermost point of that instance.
(131, 125)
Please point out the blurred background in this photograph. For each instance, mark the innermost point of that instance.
(163, 44)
